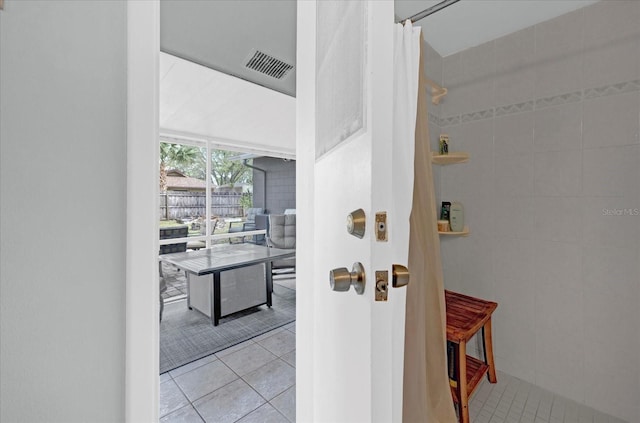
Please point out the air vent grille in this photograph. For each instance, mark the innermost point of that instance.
(268, 65)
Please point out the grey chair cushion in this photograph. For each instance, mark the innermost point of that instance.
(282, 230)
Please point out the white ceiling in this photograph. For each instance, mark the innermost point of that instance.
(206, 102)
(224, 34)
(469, 23)
(199, 103)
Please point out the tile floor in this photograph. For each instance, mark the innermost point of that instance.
(250, 382)
(512, 400)
(255, 382)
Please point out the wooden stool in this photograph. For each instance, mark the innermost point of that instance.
(465, 316)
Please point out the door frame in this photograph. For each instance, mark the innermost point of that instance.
(142, 381)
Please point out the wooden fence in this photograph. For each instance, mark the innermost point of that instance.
(185, 204)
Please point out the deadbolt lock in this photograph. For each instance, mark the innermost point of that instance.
(341, 279)
(400, 276)
(356, 223)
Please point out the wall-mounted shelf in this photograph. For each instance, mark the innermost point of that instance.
(451, 158)
(465, 232)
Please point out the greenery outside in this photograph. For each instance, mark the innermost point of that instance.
(192, 161)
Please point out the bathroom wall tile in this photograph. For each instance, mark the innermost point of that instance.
(514, 343)
(611, 120)
(449, 252)
(611, 315)
(612, 172)
(477, 267)
(479, 214)
(610, 320)
(559, 76)
(558, 128)
(476, 138)
(612, 271)
(611, 222)
(558, 273)
(474, 178)
(558, 55)
(452, 75)
(558, 173)
(559, 36)
(612, 43)
(514, 267)
(514, 319)
(558, 219)
(514, 218)
(514, 133)
(515, 78)
(559, 323)
(513, 175)
(478, 64)
(515, 87)
(615, 62)
(433, 63)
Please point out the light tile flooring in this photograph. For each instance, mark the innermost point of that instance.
(255, 382)
(512, 400)
(250, 382)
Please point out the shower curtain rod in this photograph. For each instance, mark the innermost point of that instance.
(433, 9)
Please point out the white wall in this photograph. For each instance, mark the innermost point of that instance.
(551, 118)
(63, 170)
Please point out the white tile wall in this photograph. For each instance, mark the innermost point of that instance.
(551, 195)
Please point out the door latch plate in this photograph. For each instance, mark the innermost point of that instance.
(382, 285)
(381, 226)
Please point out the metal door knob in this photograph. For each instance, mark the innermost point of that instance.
(399, 276)
(341, 279)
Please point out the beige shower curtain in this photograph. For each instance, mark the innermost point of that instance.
(426, 392)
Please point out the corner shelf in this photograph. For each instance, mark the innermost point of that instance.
(451, 158)
(465, 232)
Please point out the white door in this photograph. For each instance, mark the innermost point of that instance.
(349, 347)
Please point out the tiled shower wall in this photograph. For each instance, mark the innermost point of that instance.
(551, 118)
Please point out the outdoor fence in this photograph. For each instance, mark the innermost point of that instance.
(186, 204)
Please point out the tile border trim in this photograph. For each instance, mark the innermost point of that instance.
(541, 103)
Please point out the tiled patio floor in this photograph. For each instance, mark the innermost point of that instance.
(251, 382)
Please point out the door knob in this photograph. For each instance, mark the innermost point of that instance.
(399, 275)
(341, 279)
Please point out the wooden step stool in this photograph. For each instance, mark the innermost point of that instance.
(465, 316)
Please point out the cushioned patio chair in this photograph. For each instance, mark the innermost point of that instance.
(282, 234)
(249, 223)
(170, 232)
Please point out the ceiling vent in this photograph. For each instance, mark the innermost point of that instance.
(268, 65)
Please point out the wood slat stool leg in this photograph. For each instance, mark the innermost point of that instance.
(461, 378)
(487, 344)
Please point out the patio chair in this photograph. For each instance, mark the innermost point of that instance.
(249, 224)
(282, 234)
(170, 232)
(197, 245)
(163, 288)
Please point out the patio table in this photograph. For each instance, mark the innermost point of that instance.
(228, 278)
